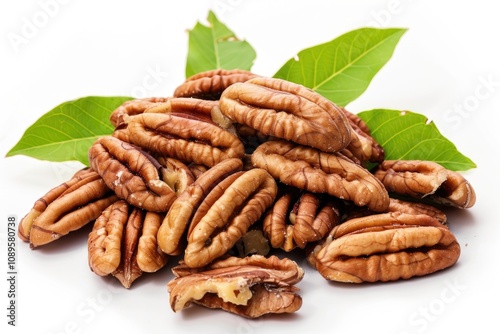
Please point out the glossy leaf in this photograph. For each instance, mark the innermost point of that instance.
(406, 135)
(342, 69)
(216, 47)
(66, 132)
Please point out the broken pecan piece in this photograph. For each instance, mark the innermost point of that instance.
(66, 208)
(209, 85)
(286, 110)
(249, 287)
(136, 176)
(426, 179)
(320, 172)
(122, 243)
(385, 247)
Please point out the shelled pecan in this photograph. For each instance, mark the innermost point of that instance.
(250, 287)
(289, 111)
(385, 247)
(320, 172)
(209, 85)
(136, 176)
(426, 179)
(66, 208)
(133, 107)
(123, 243)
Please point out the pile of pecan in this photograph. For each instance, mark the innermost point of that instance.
(233, 172)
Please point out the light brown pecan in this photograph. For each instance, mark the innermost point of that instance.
(286, 110)
(426, 179)
(209, 85)
(189, 140)
(66, 208)
(122, 243)
(134, 107)
(320, 172)
(296, 219)
(136, 176)
(220, 218)
(249, 287)
(178, 218)
(385, 247)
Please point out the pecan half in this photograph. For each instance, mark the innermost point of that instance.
(288, 111)
(426, 179)
(189, 140)
(385, 247)
(133, 107)
(209, 85)
(297, 219)
(226, 212)
(250, 287)
(122, 243)
(66, 208)
(178, 218)
(135, 175)
(320, 172)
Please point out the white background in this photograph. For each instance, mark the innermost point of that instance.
(445, 66)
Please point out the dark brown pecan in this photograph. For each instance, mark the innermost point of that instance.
(189, 140)
(66, 208)
(135, 175)
(289, 111)
(385, 247)
(320, 172)
(209, 85)
(249, 287)
(123, 243)
(426, 179)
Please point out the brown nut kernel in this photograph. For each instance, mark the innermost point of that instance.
(249, 287)
(289, 111)
(177, 220)
(209, 85)
(297, 219)
(66, 208)
(320, 172)
(386, 247)
(133, 107)
(122, 243)
(191, 141)
(134, 175)
(226, 213)
(426, 179)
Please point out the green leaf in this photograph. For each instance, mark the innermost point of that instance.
(342, 69)
(66, 132)
(406, 135)
(216, 47)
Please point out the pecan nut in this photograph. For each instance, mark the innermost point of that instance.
(122, 243)
(320, 172)
(188, 140)
(298, 219)
(66, 208)
(250, 287)
(133, 107)
(426, 179)
(209, 85)
(385, 247)
(135, 175)
(180, 214)
(288, 111)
